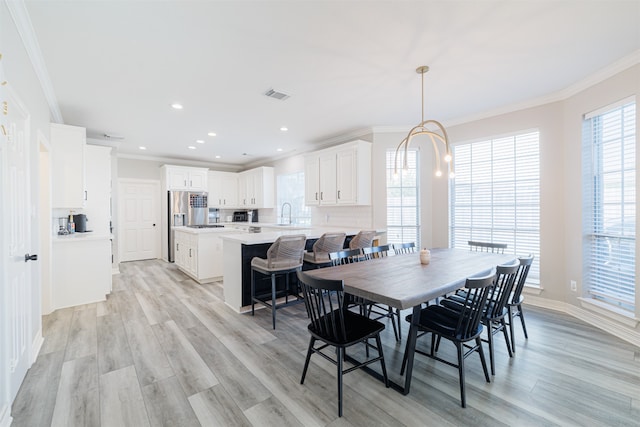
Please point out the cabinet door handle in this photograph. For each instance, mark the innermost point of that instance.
(189, 252)
(85, 195)
(185, 182)
(190, 183)
(338, 194)
(177, 246)
(321, 196)
(316, 195)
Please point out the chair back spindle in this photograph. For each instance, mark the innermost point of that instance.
(470, 315)
(324, 300)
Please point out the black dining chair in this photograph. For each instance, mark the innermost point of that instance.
(404, 248)
(379, 310)
(495, 311)
(487, 246)
(335, 326)
(514, 305)
(461, 327)
(376, 251)
(349, 256)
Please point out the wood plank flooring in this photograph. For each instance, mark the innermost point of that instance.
(166, 351)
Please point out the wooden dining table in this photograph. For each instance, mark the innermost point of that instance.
(401, 281)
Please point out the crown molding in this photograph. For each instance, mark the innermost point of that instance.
(561, 95)
(20, 16)
(179, 162)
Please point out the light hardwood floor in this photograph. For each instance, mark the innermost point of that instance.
(163, 350)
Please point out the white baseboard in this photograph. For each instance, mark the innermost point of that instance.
(36, 345)
(5, 416)
(606, 323)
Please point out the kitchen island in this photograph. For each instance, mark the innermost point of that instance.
(240, 248)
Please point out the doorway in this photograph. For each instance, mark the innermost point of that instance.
(138, 219)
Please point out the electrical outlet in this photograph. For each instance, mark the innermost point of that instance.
(574, 285)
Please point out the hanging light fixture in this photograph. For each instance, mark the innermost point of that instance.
(438, 135)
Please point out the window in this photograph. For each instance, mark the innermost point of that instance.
(290, 189)
(403, 209)
(495, 195)
(609, 184)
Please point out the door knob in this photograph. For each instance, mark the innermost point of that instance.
(28, 257)
(154, 225)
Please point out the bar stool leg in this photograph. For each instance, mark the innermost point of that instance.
(253, 290)
(273, 299)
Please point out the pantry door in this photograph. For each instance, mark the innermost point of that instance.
(139, 219)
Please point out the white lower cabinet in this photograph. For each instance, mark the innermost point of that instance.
(81, 270)
(199, 255)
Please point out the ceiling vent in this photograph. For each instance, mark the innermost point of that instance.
(276, 95)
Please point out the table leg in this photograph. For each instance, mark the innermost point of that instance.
(411, 347)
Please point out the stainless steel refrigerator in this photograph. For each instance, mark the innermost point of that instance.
(185, 208)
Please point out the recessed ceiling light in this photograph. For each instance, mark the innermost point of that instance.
(211, 134)
(217, 157)
(284, 128)
(177, 106)
(191, 147)
(199, 141)
(279, 149)
(142, 148)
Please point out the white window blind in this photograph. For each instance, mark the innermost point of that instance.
(403, 208)
(609, 184)
(495, 195)
(290, 189)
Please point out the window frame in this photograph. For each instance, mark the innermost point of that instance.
(491, 188)
(404, 229)
(609, 256)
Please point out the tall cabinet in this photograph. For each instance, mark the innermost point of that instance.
(81, 262)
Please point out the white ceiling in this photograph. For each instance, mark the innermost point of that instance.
(117, 66)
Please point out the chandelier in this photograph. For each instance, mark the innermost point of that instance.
(434, 130)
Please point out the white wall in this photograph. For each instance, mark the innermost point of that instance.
(22, 79)
(560, 126)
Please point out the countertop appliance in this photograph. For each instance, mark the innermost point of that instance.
(80, 221)
(240, 216)
(246, 216)
(188, 208)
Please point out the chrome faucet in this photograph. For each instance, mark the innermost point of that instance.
(282, 212)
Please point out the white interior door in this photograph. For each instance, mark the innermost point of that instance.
(139, 219)
(15, 220)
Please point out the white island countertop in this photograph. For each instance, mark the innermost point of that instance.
(269, 231)
(270, 235)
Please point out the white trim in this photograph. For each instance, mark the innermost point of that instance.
(20, 15)
(611, 324)
(36, 346)
(607, 108)
(5, 416)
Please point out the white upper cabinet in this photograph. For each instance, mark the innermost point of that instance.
(312, 180)
(223, 189)
(256, 188)
(339, 175)
(186, 178)
(68, 166)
